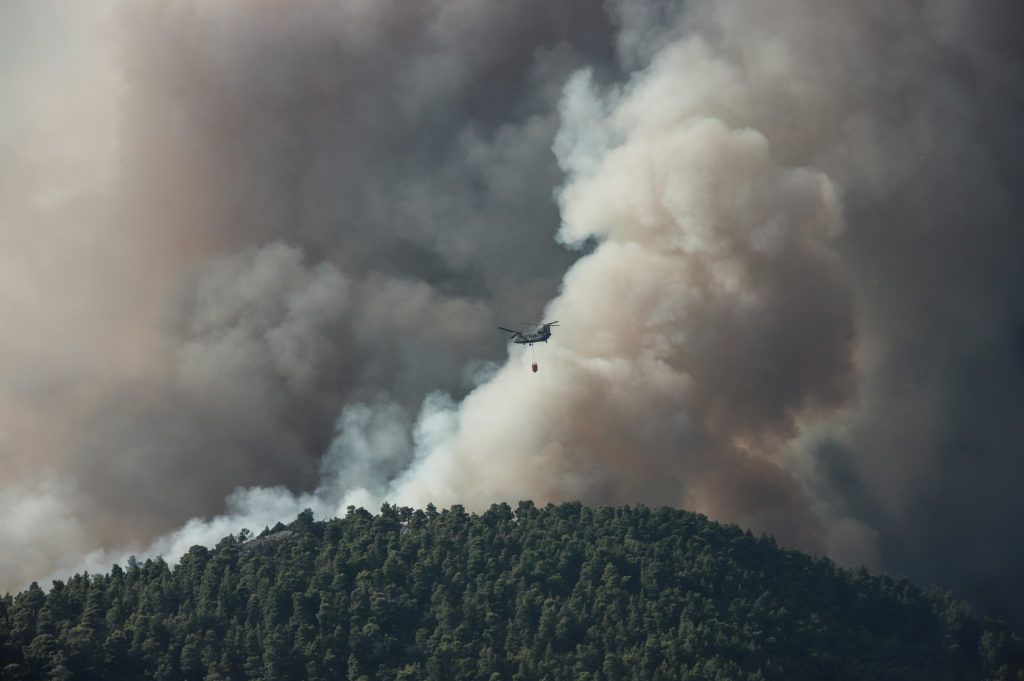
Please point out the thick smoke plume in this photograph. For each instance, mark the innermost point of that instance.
(254, 255)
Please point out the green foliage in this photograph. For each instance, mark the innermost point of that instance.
(560, 592)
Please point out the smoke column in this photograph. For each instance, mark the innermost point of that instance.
(260, 268)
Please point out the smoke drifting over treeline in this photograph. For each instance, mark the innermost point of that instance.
(254, 255)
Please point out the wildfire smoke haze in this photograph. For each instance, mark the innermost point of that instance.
(254, 255)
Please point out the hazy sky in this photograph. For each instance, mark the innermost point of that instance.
(253, 254)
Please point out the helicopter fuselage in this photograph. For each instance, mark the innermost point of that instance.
(541, 335)
(530, 338)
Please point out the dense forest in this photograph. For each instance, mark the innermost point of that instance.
(561, 592)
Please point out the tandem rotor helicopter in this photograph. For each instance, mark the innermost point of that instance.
(539, 334)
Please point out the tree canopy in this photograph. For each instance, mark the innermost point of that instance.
(560, 592)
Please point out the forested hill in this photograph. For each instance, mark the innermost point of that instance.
(562, 592)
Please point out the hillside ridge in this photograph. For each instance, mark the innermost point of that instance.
(556, 592)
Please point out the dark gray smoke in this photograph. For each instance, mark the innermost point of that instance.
(254, 254)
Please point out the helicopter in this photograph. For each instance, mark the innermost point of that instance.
(540, 335)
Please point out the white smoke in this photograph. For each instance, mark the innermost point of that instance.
(40, 529)
(712, 317)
